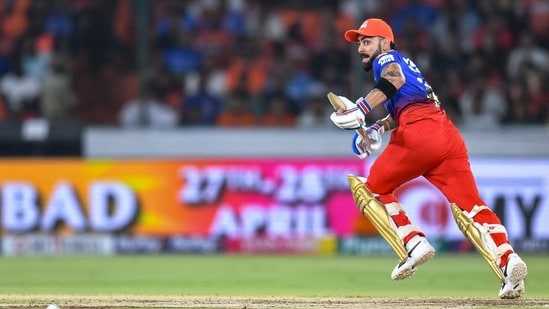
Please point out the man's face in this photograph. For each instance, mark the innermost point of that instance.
(368, 49)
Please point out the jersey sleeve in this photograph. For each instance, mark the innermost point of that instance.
(381, 62)
(414, 90)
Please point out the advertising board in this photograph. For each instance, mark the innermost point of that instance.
(246, 198)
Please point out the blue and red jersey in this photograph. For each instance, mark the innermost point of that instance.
(415, 89)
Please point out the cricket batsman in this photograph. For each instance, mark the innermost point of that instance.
(424, 142)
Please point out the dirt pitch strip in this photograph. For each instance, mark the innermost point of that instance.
(196, 302)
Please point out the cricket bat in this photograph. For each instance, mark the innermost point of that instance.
(338, 105)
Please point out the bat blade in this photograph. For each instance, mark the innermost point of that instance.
(336, 102)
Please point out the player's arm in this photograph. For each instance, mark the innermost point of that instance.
(391, 80)
(387, 122)
(353, 116)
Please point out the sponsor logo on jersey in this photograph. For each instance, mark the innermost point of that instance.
(386, 58)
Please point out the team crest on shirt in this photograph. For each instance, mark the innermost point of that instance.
(385, 58)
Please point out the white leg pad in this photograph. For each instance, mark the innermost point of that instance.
(394, 209)
(404, 231)
(487, 229)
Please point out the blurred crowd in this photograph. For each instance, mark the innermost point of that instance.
(263, 63)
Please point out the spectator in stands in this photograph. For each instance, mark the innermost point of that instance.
(21, 93)
(526, 52)
(279, 113)
(449, 89)
(148, 111)
(94, 36)
(183, 57)
(482, 106)
(36, 54)
(211, 76)
(171, 87)
(262, 47)
(248, 71)
(58, 21)
(264, 17)
(538, 107)
(316, 112)
(201, 107)
(298, 83)
(15, 22)
(492, 56)
(496, 29)
(448, 56)
(518, 99)
(537, 15)
(414, 38)
(425, 16)
(218, 25)
(237, 112)
(169, 19)
(458, 18)
(58, 97)
(331, 65)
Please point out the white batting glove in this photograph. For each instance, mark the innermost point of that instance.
(359, 148)
(374, 132)
(353, 116)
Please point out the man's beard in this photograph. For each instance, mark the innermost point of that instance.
(368, 65)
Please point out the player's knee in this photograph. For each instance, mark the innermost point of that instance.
(381, 195)
(380, 185)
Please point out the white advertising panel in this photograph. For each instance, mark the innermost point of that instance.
(516, 189)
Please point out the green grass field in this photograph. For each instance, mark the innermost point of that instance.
(449, 276)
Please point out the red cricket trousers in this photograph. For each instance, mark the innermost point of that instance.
(426, 143)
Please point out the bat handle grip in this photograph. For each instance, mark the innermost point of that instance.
(364, 135)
